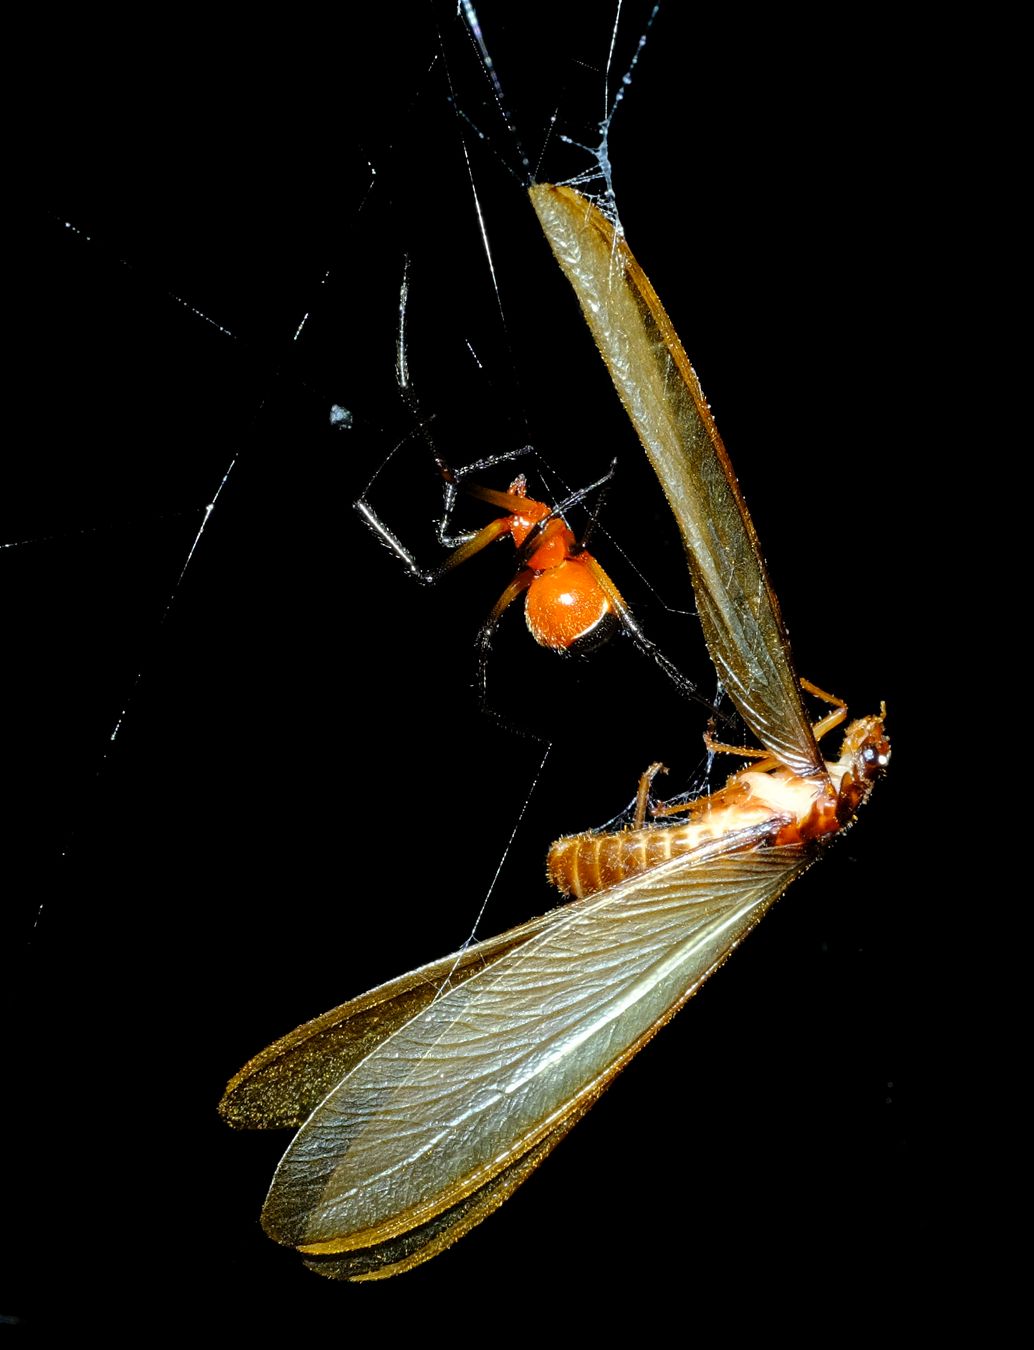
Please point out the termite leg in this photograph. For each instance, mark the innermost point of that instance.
(821, 693)
(832, 719)
(673, 808)
(642, 796)
(744, 751)
(764, 759)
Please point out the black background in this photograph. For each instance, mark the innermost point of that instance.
(304, 798)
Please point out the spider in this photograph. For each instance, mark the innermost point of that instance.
(570, 602)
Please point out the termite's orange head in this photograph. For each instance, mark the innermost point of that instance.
(866, 753)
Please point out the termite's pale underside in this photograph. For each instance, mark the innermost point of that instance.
(424, 1103)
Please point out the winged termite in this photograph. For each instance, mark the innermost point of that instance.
(424, 1103)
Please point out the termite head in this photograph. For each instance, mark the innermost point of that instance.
(864, 757)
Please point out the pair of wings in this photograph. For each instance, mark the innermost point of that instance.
(428, 1100)
(423, 1104)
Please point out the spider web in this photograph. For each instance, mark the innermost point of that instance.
(246, 771)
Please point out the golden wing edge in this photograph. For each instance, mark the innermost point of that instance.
(599, 265)
(424, 1241)
(282, 1085)
(482, 1181)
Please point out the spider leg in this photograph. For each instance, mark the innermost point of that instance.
(574, 498)
(391, 541)
(490, 462)
(601, 487)
(455, 483)
(516, 588)
(491, 532)
(628, 621)
(466, 548)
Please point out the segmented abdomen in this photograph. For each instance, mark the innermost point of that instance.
(583, 863)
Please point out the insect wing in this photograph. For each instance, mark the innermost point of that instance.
(462, 1093)
(283, 1084)
(419, 1244)
(738, 609)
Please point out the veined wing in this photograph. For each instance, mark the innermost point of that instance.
(738, 609)
(283, 1084)
(439, 1123)
(419, 1244)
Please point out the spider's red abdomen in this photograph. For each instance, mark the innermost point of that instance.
(564, 604)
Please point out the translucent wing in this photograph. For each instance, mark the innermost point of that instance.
(419, 1244)
(282, 1085)
(738, 609)
(439, 1123)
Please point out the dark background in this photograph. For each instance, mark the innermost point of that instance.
(304, 798)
